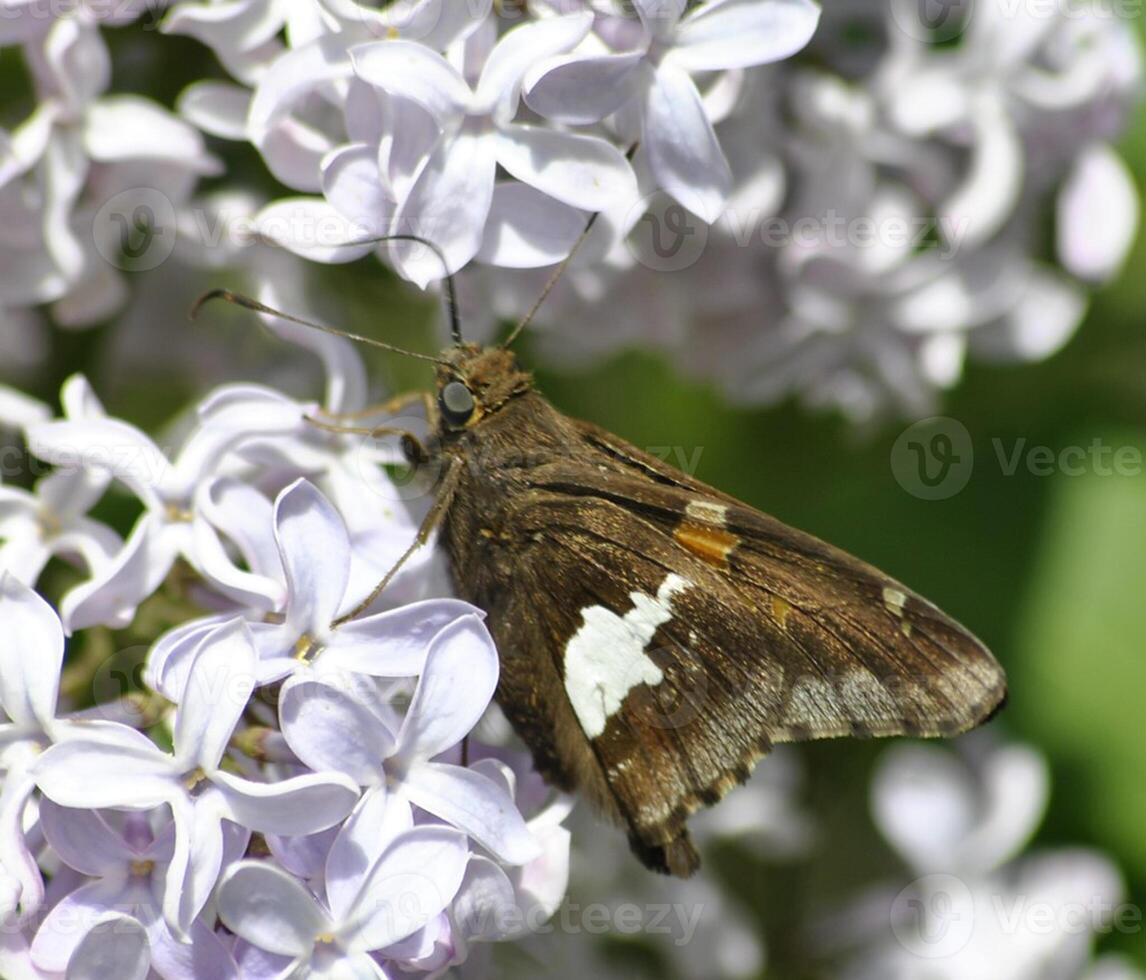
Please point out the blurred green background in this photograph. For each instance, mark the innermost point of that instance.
(1049, 571)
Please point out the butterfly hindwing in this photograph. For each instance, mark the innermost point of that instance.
(657, 636)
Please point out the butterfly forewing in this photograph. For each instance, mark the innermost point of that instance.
(657, 636)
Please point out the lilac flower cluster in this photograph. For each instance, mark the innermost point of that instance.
(286, 793)
(849, 204)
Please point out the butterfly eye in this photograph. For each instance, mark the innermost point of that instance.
(457, 403)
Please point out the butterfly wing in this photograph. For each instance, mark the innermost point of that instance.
(657, 637)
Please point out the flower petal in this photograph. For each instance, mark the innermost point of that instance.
(107, 444)
(315, 551)
(742, 33)
(219, 686)
(411, 882)
(110, 765)
(582, 171)
(375, 822)
(579, 90)
(128, 127)
(292, 807)
(83, 840)
(111, 595)
(291, 77)
(392, 643)
(31, 655)
(351, 182)
(217, 108)
(314, 229)
(448, 204)
(683, 151)
(457, 683)
(520, 49)
(169, 660)
(331, 731)
(474, 803)
(70, 920)
(269, 909)
(116, 946)
(528, 229)
(1097, 215)
(413, 71)
(16, 859)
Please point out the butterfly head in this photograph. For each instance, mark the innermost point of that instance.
(474, 382)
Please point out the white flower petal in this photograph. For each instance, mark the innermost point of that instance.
(413, 71)
(127, 127)
(83, 840)
(70, 920)
(683, 151)
(578, 89)
(410, 883)
(105, 444)
(742, 33)
(376, 821)
(476, 804)
(448, 204)
(16, 859)
(582, 171)
(315, 551)
(520, 49)
(457, 683)
(291, 77)
(291, 807)
(991, 188)
(351, 183)
(528, 229)
(110, 766)
(1097, 215)
(329, 730)
(269, 909)
(112, 594)
(392, 643)
(31, 655)
(217, 108)
(314, 229)
(219, 685)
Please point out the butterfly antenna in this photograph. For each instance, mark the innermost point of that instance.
(559, 271)
(451, 295)
(253, 304)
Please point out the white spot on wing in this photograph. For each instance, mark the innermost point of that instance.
(605, 658)
(715, 515)
(895, 600)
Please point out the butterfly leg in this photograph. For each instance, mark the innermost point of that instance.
(392, 406)
(451, 476)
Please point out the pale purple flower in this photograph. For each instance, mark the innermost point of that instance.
(117, 767)
(315, 554)
(332, 728)
(976, 909)
(383, 880)
(124, 859)
(176, 497)
(655, 74)
(31, 658)
(53, 520)
(451, 198)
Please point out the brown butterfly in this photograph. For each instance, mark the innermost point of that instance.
(657, 636)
